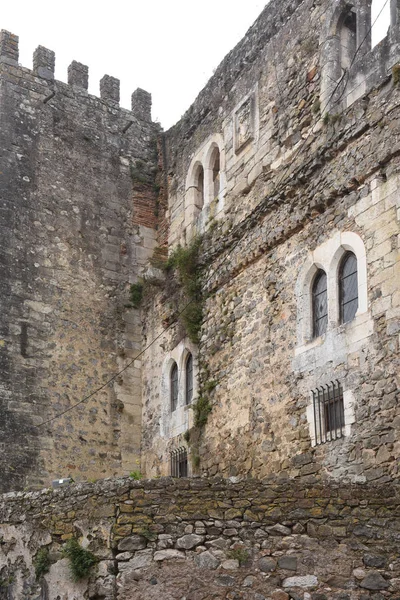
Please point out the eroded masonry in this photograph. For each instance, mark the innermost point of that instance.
(221, 299)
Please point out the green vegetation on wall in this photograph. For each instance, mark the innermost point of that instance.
(81, 560)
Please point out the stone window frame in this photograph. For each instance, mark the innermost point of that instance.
(196, 216)
(174, 423)
(362, 78)
(349, 418)
(328, 257)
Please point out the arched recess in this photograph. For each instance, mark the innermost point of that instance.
(345, 38)
(205, 185)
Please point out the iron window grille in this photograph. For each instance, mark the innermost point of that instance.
(189, 379)
(348, 288)
(179, 462)
(328, 412)
(320, 304)
(174, 387)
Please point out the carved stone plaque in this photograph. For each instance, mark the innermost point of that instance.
(244, 123)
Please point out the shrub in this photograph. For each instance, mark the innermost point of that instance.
(81, 560)
(41, 562)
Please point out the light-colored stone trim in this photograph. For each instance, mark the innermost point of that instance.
(180, 420)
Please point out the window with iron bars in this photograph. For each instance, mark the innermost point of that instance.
(328, 412)
(179, 462)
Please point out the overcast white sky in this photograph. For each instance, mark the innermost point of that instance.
(168, 47)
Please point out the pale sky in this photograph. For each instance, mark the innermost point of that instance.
(168, 47)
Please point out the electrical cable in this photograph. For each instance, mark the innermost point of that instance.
(233, 247)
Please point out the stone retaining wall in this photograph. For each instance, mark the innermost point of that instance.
(200, 539)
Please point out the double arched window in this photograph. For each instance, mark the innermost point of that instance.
(205, 185)
(188, 383)
(347, 289)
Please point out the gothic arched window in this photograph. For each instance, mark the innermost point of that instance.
(348, 287)
(320, 303)
(174, 387)
(189, 379)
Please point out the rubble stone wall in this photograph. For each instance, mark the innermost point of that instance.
(200, 539)
(299, 183)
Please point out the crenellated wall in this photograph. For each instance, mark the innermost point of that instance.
(78, 215)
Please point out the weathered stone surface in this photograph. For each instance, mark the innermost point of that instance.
(303, 581)
(187, 542)
(141, 559)
(374, 581)
(169, 554)
(267, 565)
(206, 560)
(374, 560)
(132, 543)
(287, 562)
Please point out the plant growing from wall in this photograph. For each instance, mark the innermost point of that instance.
(184, 261)
(239, 554)
(136, 294)
(81, 560)
(42, 562)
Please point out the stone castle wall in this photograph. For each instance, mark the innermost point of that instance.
(78, 222)
(201, 539)
(300, 185)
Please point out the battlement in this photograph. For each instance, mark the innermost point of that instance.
(78, 75)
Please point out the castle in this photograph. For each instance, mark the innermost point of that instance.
(281, 184)
(221, 299)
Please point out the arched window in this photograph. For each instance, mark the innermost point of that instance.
(174, 387)
(348, 288)
(199, 200)
(380, 21)
(215, 165)
(189, 379)
(320, 303)
(347, 37)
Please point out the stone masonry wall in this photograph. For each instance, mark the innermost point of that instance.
(205, 539)
(305, 182)
(78, 223)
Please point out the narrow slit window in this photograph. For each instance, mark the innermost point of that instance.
(200, 187)
(189, 379)
(328, 410)
(179, 463)
(174, 387)
(348, 288)
(215, 162)
(348, 37)
(320, 304)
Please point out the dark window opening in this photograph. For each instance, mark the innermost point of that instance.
(189, 379)
(328, 412)
(174, 387)
(348, 38)
(348, 288)
(179, 463)
(200, 187)
(320, 304)
(24, 339)
(215, 165)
